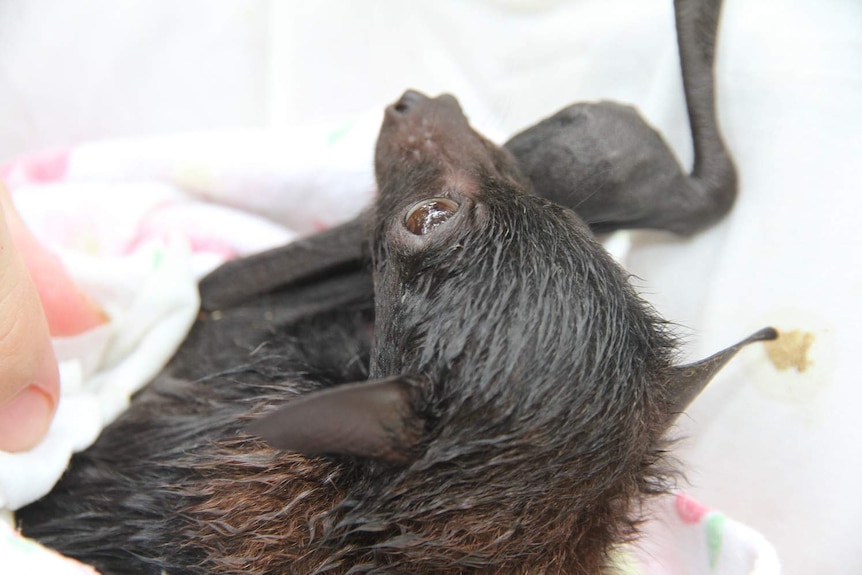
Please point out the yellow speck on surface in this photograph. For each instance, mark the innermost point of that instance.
(790, 350)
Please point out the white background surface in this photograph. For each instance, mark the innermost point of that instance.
(777, 450)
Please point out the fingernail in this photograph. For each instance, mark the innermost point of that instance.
(24, 420)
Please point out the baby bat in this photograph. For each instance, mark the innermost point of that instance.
(492, 397)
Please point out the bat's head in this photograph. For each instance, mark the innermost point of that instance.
(511, 320)
(519, 387)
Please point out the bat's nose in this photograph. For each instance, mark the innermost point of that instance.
(413, 102)
(408, 102)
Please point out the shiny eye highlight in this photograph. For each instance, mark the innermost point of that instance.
(428, 214)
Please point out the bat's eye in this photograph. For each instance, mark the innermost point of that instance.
(428, 214)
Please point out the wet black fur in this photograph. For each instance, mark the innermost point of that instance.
(119, 505)
(540, 387)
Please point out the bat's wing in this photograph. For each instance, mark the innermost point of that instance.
(335, 251)
(607, 164)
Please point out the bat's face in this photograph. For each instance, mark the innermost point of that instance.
(518, 319)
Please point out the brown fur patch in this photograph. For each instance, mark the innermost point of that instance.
(259, 510)
(263, 512)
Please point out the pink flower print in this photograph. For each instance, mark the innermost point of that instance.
(48, 166)
(689, 510)
(42, 167)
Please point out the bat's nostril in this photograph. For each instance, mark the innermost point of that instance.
(408, 100)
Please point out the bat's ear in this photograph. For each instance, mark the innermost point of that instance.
(375, 419)
(687, 381)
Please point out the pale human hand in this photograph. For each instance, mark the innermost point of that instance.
(29, 379)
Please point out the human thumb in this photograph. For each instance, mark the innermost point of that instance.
(29, 379)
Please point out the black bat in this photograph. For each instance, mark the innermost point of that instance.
(459, 381)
